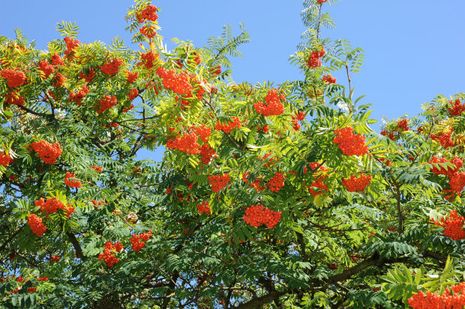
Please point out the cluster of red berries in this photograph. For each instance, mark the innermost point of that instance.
(300, 116)
(456, 162)
(329, 79)
(14, 98)
(187, 143)
(245, 177)
(47, 152)
(318, 185)
(138, 240)
(321, 1)
(36, 225)
(391, 134)
(13, 78)
(77, 97)
(453, 225)
(402, 125)
(200, 92)
(456, 178)
(456, 108)
(128, 108)
(46, 68)
(148, 59)
(111, 67)
(316, 167)
(202, 131)
(52, 205)
(218, 182)
(452, 298)
(207, 153)
(55, 258)
(195, 57)
(109, 253)
(314, 61)
(258, 215)
(179, 83)
(272, 106)
(71, 45)
(204, 208)
(444, 139)
(228, 126)
(350, 143)
(89, 76)
(71, 181)
(106, 103)
(56, 60)
(97, 168)
(147, 13)
(356, 184)
(20, 279)
(276, 183)
(216, 70)
(133, 93)
(148, 31)
(59, 80)
(5, 159)
(131, 77)
(457, 182)
(97, 203)
(256, 184)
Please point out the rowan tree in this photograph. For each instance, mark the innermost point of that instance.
(268, 195)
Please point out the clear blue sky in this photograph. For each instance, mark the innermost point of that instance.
(414, 49)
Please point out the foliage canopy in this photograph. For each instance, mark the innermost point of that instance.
(267, 195)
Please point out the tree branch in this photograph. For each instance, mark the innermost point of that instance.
(77, 247)
(375, 260)
(10, 238)
(260, 301)
(30, 111)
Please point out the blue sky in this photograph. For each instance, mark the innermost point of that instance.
(414, 49)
